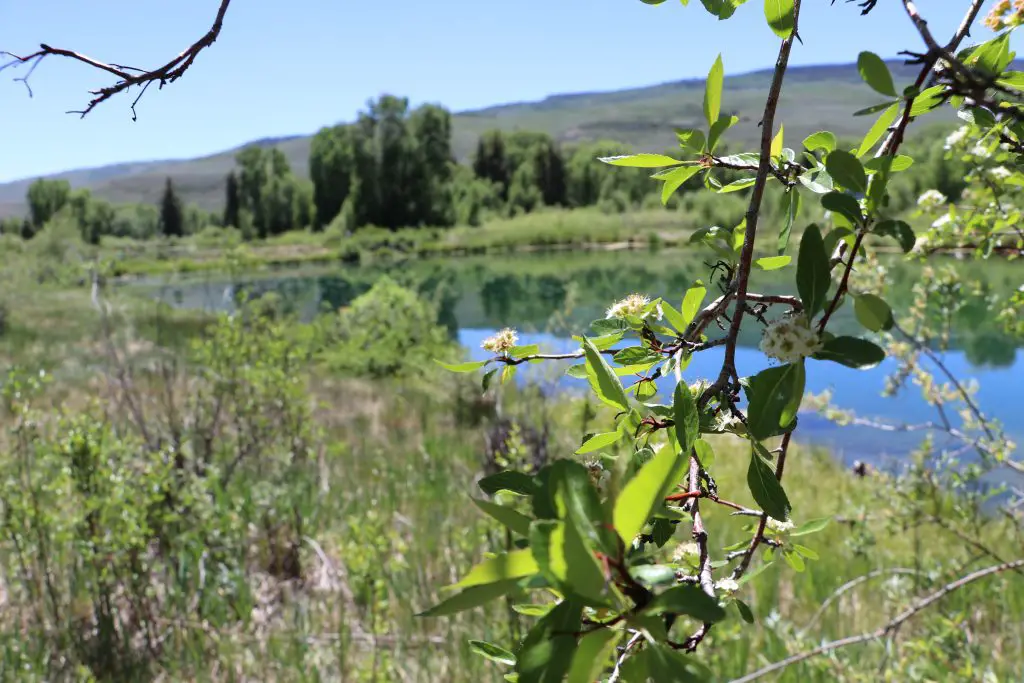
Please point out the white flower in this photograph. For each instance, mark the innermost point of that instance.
(1000, 172)
(727, 585)
(980, 150)
(634, 305)
(956, 137)
(684, 550)
(931, 199)
(501, 342)
(781, 527)
(942, 220)
(790, 339)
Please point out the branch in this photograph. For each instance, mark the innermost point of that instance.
(888, 628)
(129, 76)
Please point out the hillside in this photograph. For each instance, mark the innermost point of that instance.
(815, 97)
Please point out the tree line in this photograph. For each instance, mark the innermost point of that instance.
(394, 168)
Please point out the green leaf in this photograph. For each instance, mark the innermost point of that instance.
(653, 574)
(745, 612)
(635, 355)
(643, 160)
(794, 560)
(643, 492)
(548, 649)
(877, 130)
(691, 139)
(511, 565)
(705, 454)
(508, 481)
(532, 610)
(737, 185)
(713, 91)
(820, 140)
(874, 109)
(492, 652)
(599, 441)
(656, 662)
(764, 487)
(872, 312)
(791, 209)
(688, 600)
(846, 170)
(575, 493)
(852, 352)
(777, 141)
(1012, 79)
(875, 73)
(804, 551)
(686, 417)
(812, 526)
(592, 655)
(602, 379)
(927, 100)
(772, 395)
(898, 230)
(564, 559)
(692, 301)
(813, 275)
(723, 9)
(673, 317)
(844, 205)
(781, 17)
(515, 521)
(463, 367)
(470, 598)
(900, 162)
(718, 127)
(773, 262)
(674, 179)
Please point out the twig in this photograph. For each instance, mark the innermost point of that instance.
(889, 628)
(129, 76)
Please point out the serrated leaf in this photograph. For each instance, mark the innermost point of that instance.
(713, 91)
(772, 395)
(875, 73)
(853, 352)
(643, 160)
(813, 274)
(823, 139)
(512, 565)
(492, 652)
(764, 487)
(642, 493)
(773, 262)
(846, 170)
(781, 16)
(878, 129)
(602, 379)
(688, 600)
(599, 441)
(513, 520)
(872, 312)
(463, 367)
(686, 416)
(470, 598)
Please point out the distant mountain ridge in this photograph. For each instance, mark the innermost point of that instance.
(815, 97)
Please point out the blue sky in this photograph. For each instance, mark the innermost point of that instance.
(283, 68)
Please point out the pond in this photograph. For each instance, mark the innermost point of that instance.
(549, 296)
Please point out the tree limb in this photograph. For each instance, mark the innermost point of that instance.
(129, 76)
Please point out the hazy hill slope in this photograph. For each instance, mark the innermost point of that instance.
(815, 97)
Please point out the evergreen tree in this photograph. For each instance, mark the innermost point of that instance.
(232, 202)
(172, 219)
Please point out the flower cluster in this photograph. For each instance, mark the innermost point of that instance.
(684, 551)
(727, 585)
(957, 137)
(931, 199)
(778, 526)
(632, 305)
(1005, 14)
(790, 339)
(502, 342)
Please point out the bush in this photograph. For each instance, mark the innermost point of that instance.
(388, 331)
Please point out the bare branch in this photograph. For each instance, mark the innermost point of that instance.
(884, 631)
(129, 76)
